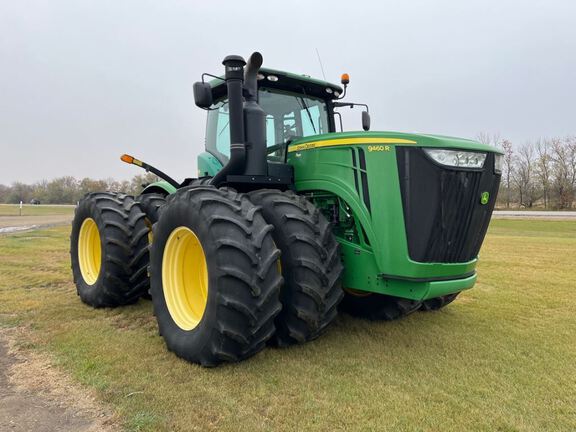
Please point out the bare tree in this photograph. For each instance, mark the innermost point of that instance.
(4, 193)
(68, 190)
(524, 176)
(140, 181)
(571, 145)
(19, 192)
(508, 168)
(544, 168)
(488, 138)
(564, 166)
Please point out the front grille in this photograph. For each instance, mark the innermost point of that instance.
(444, 218)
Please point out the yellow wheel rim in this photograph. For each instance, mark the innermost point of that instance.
(89, 251)
(185, 278)
(150, 235)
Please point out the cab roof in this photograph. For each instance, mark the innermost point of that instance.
(286, 81)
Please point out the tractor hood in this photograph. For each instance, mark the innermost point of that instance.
(407, 223)
(393, 138)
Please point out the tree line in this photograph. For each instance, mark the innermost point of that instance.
(540, 174)
(69, 190)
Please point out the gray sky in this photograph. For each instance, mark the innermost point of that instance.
(82, 82)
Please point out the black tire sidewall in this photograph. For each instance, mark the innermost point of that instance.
(90, 294)
(376, 306)
(147, 204)
(175, 216)
(122, 278)
(312, 228)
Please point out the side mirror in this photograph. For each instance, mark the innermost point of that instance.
(366, 120)
(203, 95)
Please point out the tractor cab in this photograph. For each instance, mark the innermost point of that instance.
(296, 106)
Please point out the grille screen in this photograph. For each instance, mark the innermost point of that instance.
(444, 218)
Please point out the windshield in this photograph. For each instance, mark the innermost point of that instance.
(289, 116)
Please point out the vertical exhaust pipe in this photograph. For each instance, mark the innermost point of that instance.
(234, 76)
(247, 119)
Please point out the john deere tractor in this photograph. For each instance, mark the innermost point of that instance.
(290, 220)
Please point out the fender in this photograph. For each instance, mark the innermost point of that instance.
(160, 187)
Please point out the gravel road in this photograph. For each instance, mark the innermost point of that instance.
(20, 223)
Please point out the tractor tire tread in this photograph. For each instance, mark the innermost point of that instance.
(244, 314)
(377, 307)
(312, 289)
(125, 252)
(152, 204)
(437, 303)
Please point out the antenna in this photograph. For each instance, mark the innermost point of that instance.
(320, 61)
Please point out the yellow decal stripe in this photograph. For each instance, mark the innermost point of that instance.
(347, 141)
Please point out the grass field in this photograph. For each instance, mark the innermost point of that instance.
(501, 358)
(35, 210)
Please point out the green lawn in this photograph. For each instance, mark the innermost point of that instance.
(500, 358)
(35, 210)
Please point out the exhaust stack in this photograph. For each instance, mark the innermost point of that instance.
(248, 164)
(234, 76)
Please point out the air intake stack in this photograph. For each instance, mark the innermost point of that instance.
(254, 120)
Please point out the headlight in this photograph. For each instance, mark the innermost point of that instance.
(498, 163)
(457, 158)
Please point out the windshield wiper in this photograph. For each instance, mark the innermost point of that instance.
(303, 103)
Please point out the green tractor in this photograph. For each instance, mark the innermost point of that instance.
(288, 222)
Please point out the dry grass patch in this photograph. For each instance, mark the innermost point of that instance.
(500, 358)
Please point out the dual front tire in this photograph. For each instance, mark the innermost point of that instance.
(377, 306)
(310, 264)
(387, 308)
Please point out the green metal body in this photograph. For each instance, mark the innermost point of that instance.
(373, 243)
(161, 187)
(208, 165)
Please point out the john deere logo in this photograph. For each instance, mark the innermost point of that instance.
(484, 198)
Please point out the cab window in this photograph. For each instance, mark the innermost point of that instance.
(289, 116)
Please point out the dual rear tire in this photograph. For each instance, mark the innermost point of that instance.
(109, 250)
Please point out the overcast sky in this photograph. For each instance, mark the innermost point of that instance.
(82, 82)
